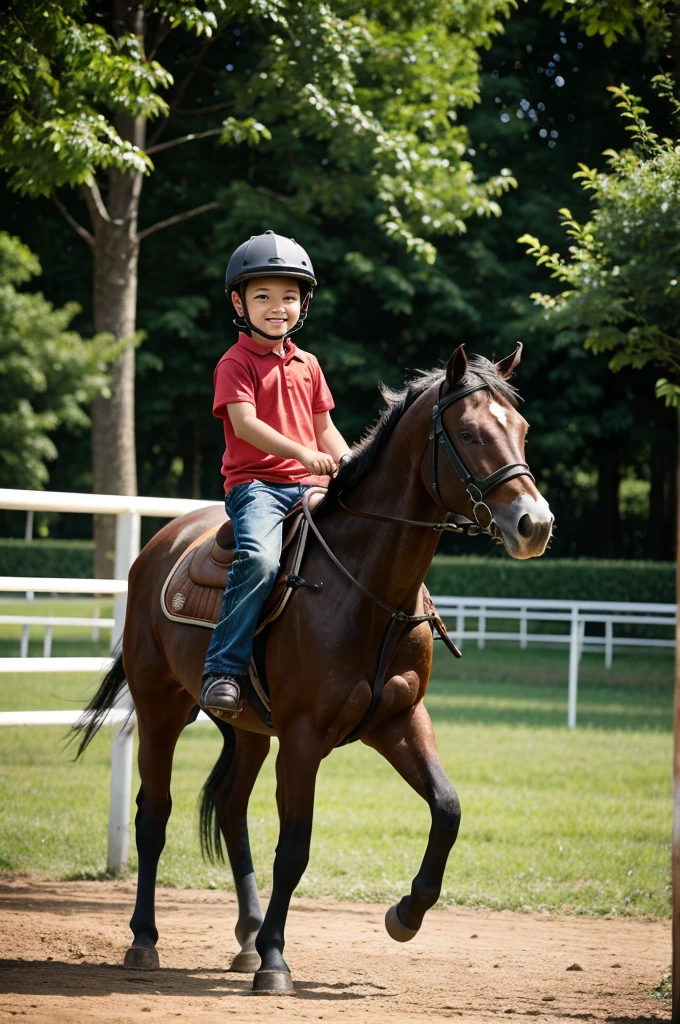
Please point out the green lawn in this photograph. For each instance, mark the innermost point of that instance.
(554, 820)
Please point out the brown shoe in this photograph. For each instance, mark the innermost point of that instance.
(221, 695)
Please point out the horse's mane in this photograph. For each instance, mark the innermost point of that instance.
(367, 451)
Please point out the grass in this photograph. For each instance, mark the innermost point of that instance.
(563, 821)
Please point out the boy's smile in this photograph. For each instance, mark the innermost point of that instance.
(273, 306)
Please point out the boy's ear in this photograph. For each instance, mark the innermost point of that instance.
(236, 300)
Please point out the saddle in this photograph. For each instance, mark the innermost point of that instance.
(192, 593)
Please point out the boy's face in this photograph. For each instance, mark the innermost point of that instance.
(273, 306)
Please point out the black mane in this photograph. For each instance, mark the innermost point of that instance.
(367, 451)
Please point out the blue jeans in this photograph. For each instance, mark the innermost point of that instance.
(257, 511)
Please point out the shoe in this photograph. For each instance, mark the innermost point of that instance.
(221, 694)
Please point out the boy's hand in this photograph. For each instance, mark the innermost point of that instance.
(317, 463)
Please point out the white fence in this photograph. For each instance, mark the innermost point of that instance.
(579, 614)
(129, 511)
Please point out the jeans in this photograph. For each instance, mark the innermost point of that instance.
(257, 510)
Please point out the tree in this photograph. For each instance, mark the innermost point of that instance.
(377, 93)
(622, 281)
(47, 373)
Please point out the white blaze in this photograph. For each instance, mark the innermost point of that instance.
(499, 412)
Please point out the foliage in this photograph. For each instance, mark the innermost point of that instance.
(73, 558)
(616, 20)
(47, 373)
(380, 89)
(624, 266)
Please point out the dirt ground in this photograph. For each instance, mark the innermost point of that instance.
(63, 945)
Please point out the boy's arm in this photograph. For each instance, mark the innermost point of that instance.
(249, 428)
(328, 437)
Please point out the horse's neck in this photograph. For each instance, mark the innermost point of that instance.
(396, 558)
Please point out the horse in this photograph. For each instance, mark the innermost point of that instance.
(325, 653)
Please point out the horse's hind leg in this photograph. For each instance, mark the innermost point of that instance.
(227, 793)
(407, 742)
(158, 737)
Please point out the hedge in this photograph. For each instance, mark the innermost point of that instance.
(569, 579)
(465, 575)
(73, 558)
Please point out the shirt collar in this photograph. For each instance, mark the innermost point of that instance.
(252, 346)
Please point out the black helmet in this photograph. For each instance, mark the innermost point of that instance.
(268, 254)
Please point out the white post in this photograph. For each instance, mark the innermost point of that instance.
(573, 667)
(481, 628)
(47, 642)
(581, 635)
(523, 628)
(127, 549)
(26, 630)
(460, 627)
(608, 643)
(96, 612)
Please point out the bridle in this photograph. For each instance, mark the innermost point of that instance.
(477, 488)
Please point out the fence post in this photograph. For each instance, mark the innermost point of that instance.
(581, 638)
(26, 630)
(522, 627)
(127, 549)
(608, 643)
(460, 626)
(481, 629)
(574, 644)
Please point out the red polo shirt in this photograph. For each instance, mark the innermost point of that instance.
(287, 392)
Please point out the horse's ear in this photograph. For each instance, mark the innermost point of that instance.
(456, 368)
(506, 367)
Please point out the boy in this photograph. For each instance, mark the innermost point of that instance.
(280, 440)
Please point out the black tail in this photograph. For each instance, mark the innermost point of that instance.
(92, 718)
(209, 826)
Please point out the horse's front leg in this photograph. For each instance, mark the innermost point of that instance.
(297, 765)
(407, 742)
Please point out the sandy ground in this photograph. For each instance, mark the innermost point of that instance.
(63, 944)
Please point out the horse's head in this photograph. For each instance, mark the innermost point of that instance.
(474, 463)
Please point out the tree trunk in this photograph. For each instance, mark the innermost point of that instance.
(116, 257)
(608, 501)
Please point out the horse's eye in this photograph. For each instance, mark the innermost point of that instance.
(466, 437)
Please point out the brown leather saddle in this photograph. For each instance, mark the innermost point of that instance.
(192, 593)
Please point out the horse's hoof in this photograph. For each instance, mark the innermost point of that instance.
(395, 929)
(141, 958)
(246, 963)
(277, 983)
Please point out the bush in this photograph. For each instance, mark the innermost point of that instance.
(461, 576)
(553, 578)
(74, 558)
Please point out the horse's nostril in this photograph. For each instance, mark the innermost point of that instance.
(526, 526)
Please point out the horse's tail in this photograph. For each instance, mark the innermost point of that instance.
(209, 826)
(92, 718)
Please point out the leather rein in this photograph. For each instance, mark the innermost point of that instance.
(476, 488)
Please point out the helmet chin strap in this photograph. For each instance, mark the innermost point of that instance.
(244, 321)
